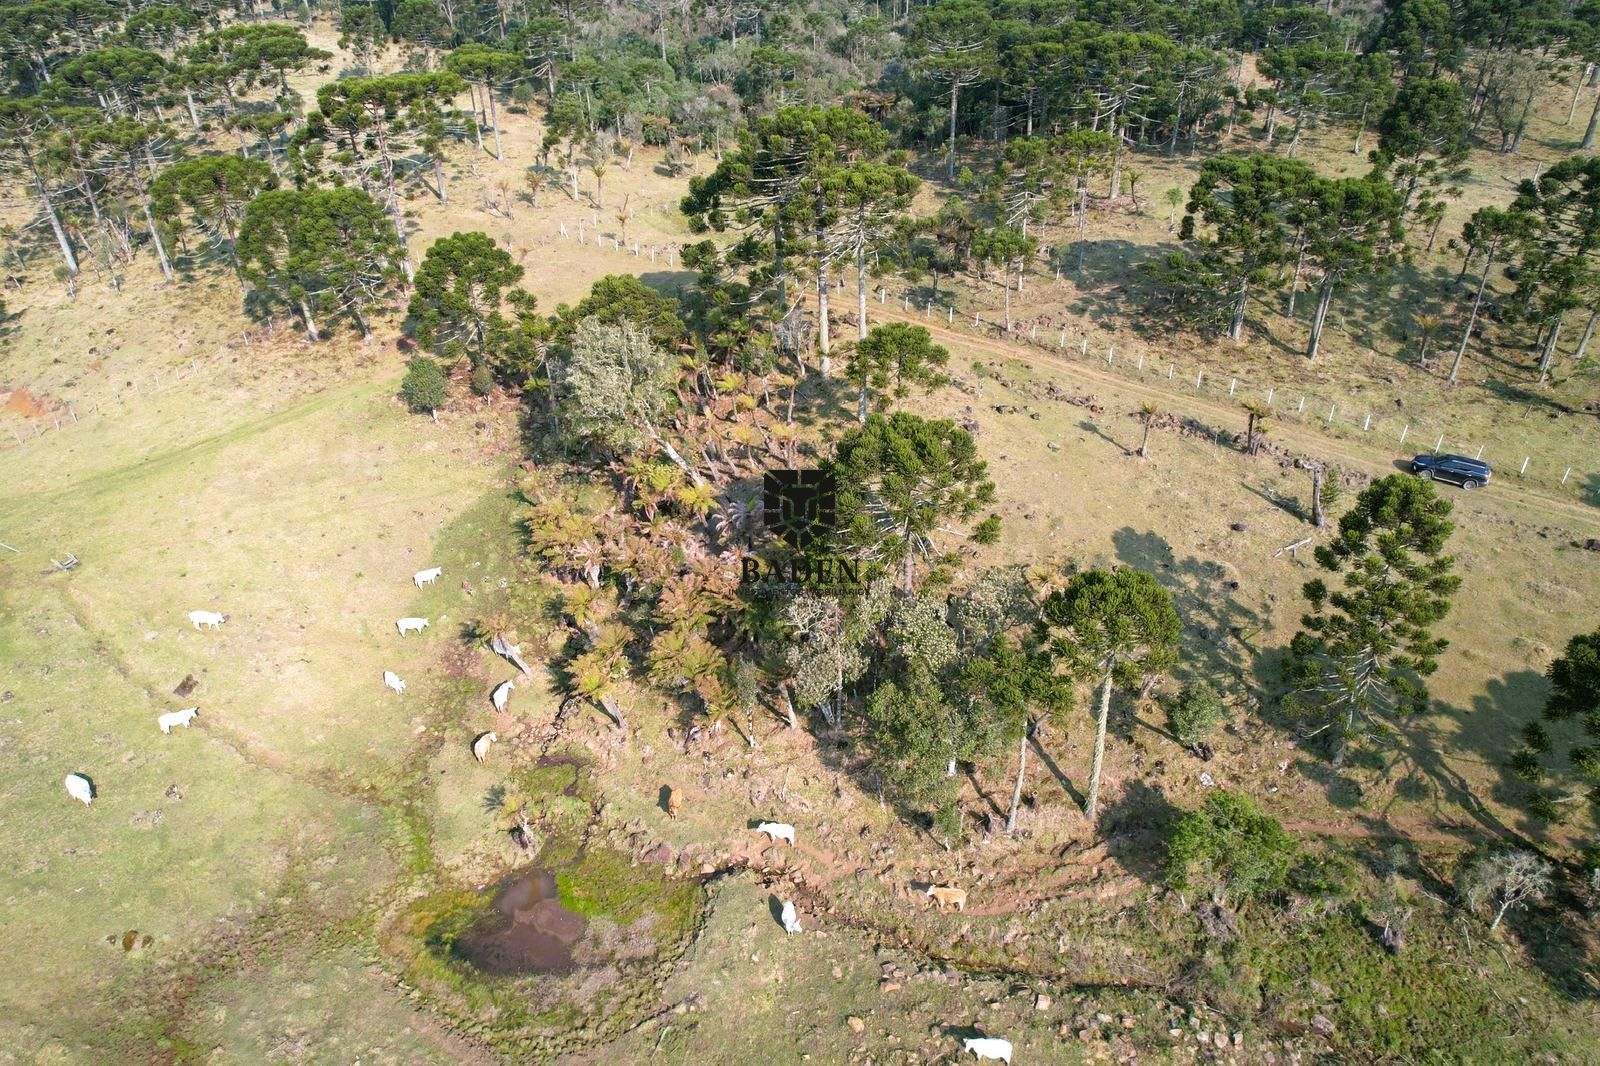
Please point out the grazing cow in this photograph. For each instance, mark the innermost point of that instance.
(674, 802)
(501, 694)
(988, 1047)
(392, 679)
(410, 625)
(427, 577)
(80, 788)
(207, 618)
(948, 897)
(791, 921)
(777, 831)
(480, 746)
(183, 718)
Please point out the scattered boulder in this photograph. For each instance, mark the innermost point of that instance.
(856, 1024)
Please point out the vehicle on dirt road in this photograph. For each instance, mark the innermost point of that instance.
(1462, 470)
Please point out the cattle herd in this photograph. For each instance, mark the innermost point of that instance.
(80, 787)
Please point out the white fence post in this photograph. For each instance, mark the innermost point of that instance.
(1302, 408)
(1269, 396)
(1332, 407)
(1232, 382)
(1480, 452)
(1438, 444)
(1524, 469)
(1198, 378)
(1366, 423)
(1403, 431)
(1566, 475)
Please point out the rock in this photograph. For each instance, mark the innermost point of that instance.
(1592, 544)
(838, 974)
(1238, 1040)
(1240, 527)
(1042, 1001)
(1103, 1019)
(1207, 780)
(890, 986)
(661, 855)
(706, 869)
(1053, 446)
(856, 1024)
(1322, 1024)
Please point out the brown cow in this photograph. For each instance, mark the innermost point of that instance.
(944, 897)
(674, 802)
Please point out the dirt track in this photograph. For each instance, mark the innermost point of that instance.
(1506, 494)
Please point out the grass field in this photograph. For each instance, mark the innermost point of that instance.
(287, 853)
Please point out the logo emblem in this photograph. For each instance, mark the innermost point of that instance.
(799, 505)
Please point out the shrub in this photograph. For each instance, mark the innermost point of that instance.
(482, 380)
(423, 386)
(1229, 847)
(1194, 712)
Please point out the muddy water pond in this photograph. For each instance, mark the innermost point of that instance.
(526, 930)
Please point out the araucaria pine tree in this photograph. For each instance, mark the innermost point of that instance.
(1358, 665)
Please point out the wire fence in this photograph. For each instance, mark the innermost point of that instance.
(1371, 418)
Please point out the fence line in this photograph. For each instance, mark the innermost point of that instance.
(1335, 416)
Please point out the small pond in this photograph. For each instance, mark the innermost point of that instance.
(525, 930)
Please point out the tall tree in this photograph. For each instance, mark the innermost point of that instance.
(459, 291)
(1352, 229)
(23, 127)
(1558, 268)
(1358, 666)
(215, 191)
(485, 69)
(1423, 135)
(1118, 626)
(1011, 684)
(893, 358)
(1246, 201)
(389, 110)
(1487, 233)
(952, 42)
(319, 251)
(869, 199)
(900, 478)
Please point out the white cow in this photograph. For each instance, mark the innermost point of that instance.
(777, 831)
(392, 679)
(502, 694)
(183, 718)
(207, 618)
(989, 1047)
(80, 788)
(410, 625)
(480, 746)
(427, 577)
(791, 921)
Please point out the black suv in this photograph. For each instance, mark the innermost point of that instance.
(1465, 471)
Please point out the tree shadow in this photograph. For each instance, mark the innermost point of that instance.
(1135, 830)
(1090, 426)
(1217, 627)
(1056, 772)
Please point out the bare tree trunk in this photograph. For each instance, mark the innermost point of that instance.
(494, 119)
(311, 324)
(1472, 318)
(950, 155)
(1318, 518)
(50, 212)
(1594, 122)
(1588, 334)
(1324, 299)
(1549, 352)
(861, 293)
(1016, 789)
(1092, 807)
